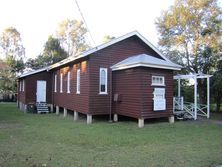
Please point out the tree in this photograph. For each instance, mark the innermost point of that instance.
(7, 78)
(192, 30)
(190, 33)
(52, 53)
(107, 38)
(71, 34)
(13, 54)
(12, 49)
(216, 87)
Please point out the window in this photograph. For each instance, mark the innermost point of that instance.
(68, 82)
(61, 80)
(20, 85)
(55, 86)
(103, 81)
(159, 101)
(158, 80)
(23, 85)
(78, 82)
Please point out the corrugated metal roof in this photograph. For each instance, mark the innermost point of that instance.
(33, 72)
(102, 46)
(144, 60)
(93, 50)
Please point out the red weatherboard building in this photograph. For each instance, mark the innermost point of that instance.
(126, 76)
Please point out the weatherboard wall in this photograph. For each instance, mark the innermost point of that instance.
(105, 58)
(29, 94)
(132, 84)
(136, 92)
(73, 101)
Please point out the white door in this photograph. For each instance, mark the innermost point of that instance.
(41, 91)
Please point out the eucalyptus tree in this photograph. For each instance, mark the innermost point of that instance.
(72, 35)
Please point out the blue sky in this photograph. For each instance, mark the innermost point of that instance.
(37, 19)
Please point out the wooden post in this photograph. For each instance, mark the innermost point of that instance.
(195, 97)
(65, 112)
(208, 97)
(171, 119)
(89, 119)
(115, 118)
(140, 122)
(179, 88)
(51, 107)
(76, 115)
(57, 110)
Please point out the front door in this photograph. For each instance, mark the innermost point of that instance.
(41, 91)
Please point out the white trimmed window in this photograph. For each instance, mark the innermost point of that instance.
(68, 82)
(103, 81)
(61, 83)
(23, 85)
(20, 85)
(78, 82)
(158, 80)
(55, 84)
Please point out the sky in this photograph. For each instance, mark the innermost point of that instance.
(37, 19)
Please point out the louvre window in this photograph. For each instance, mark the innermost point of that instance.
(68, 82)
(103, 81)
(55, 86)
(61, 83)
(23, 85)
(78, 82)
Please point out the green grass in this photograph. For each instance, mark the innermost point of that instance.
(50, 140)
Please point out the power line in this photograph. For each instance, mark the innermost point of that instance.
(85, 23)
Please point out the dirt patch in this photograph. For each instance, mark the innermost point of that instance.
(212, 121)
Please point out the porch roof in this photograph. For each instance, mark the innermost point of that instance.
(144, 60)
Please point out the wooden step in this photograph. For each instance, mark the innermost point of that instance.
(42, 107)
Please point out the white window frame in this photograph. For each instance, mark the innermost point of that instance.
(61, 82)
(78, 81)
(68, 82)
(20, 85)
(159, 101)
(100, 80)
(160, 78)
(55, 83)
(23, 85)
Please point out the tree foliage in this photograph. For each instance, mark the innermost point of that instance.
(12, 49)
(12, 62)
(7, 78)
(107, 38)
(52, 53)
(217, 86)
(71, 34)
(190, 33)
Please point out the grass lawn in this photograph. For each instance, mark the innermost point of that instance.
(50, 140)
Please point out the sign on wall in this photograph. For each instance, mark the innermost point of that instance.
(159, 101)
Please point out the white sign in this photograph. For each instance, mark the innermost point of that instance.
(159, 101)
